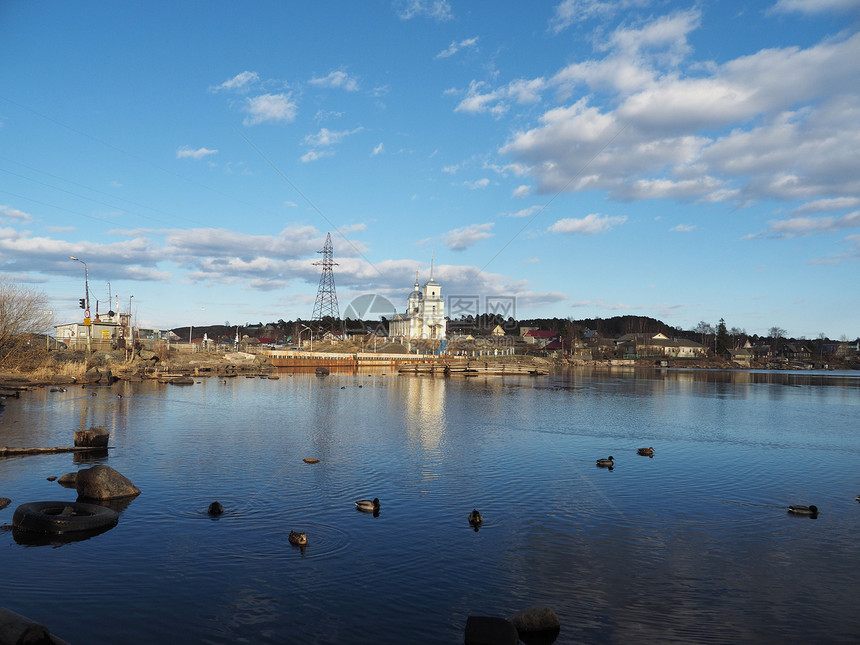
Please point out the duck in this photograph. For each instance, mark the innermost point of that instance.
(797, 509)
(645, 452)
(368, 505)
(299, 539)
(858, 498)
(606, 463)
(475, 517)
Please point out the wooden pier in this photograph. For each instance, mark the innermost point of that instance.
(467, 369)
(312, 360)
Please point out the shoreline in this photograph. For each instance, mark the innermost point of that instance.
(106, 367)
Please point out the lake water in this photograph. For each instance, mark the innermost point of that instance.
(693, 545)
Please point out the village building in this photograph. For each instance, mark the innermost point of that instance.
(539, 336)
(425, 313)
(658, 345)
(102, 333)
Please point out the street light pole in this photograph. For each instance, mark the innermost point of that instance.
(311, 334)
(87, 301)
(130, 327)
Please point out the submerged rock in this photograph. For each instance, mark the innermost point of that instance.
(103, 482)
(69, 480)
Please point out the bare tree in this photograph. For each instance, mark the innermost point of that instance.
(22, 316)
(705, 329)
(776, 333)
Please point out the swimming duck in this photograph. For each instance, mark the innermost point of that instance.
(367, 505)
(645, 452)
(475, 517)
(299, 539)
(606, 463)
(812, 509)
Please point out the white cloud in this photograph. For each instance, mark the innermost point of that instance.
(461, 239)
(314, 155)
(802, 226)
(270, 107)
(665, 37)
(439, 10)
(14, 213)
(588, 225)
(378, 149)
(522, 191)
(239, 83)
(326, 137)
(777, 124)
(186, 152)
(833, 204)
(478, 184)
(569, 12)
(814, 6)
(454, 47)
(477, 101)
(526, 212)
(337, 79)
(683, 228)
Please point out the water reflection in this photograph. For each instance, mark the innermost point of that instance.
(694, 545)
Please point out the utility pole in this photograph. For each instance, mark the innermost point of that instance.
(87, 321)
(326, 302)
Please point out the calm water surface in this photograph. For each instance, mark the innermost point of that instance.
(693, 545)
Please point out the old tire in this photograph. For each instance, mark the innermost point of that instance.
(62, 517)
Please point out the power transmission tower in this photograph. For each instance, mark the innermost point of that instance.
(326, 302)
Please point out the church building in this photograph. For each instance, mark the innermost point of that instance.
(425, 313)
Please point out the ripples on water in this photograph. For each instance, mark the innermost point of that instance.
(692, 545)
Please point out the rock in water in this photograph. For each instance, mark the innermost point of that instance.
(92, 437)
(103, 482)
(489, 630)
(536, 620)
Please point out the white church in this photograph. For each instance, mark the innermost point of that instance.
(425, 313)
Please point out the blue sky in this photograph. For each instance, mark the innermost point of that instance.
(686, 161)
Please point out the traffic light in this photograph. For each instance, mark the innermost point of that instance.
(83, 306)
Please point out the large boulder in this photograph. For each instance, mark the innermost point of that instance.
(15, 628)
(97, 374)
(537, 625)
(92, 437)
(103, 482)
(62, 379)
(489, 630)
(148, 355)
